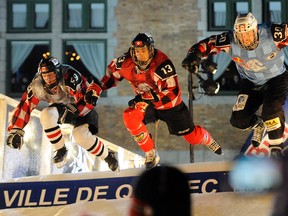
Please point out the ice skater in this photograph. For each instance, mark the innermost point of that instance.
(71, 100)
(257, 51)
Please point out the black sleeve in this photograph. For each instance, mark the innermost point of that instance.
(278, 32)
(165, 70)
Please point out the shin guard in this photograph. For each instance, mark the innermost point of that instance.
(133, 121)
(199, 136)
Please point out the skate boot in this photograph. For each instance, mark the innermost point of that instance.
(215, 147)
(59, 158)
(258, 134)
(151, 159)
(112, 161)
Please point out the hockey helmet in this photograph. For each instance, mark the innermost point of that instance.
(246, 24)
(47, 65)
(142, 40)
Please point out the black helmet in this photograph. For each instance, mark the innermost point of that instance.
(142, 40)
(50, 64)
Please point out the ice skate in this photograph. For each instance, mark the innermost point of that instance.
(151, 159)
(112, 161)
(258, 134)
(59, 158)
(214, 146)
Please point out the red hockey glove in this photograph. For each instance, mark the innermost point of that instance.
(15, 138)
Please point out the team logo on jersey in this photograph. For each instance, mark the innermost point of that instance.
(271, 55)
(273, 124)
(143, 87)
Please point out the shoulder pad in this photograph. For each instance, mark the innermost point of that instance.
(72, 78)
(120, 60)
(222, 39)
(278, 32)
(165, 70)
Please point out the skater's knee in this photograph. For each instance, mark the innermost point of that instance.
(80, 132)
(242, 124)
(49, 114)
(132, 118)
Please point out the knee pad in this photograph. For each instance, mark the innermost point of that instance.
(49, 117)
(132, 118)
(83, 136)
(242, 123)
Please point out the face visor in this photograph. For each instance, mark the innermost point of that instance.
(246, 31)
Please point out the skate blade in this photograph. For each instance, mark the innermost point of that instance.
(61, 164)
(157, 160)
(117, 171)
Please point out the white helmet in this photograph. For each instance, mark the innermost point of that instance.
(245, 23)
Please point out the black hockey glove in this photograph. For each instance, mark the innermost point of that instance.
(91, 97)
(210, 87)
(92, 93)
(192, 61)
(146, 98)
(15, 138)
(68, 114)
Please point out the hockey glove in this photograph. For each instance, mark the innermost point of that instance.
(210, 87)
(143, 100)
(192, 61)
(68, 114)
(91, 97)
(15, 138)
(92, 94)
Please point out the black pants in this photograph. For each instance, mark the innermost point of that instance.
(178, 119)
(74, 119)
(271, 96)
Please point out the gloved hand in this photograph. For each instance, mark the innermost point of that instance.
(192, 61)
(68, 114)
(210, 87)
(91, 97)
(144, 99)
(15, 138)
(92, 94)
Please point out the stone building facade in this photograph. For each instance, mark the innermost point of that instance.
(175, 25)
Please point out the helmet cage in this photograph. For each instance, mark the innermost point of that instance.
(48, 65)
(142, 40)
(245, 23)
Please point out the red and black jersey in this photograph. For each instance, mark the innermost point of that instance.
(71, 89)
(160, 77)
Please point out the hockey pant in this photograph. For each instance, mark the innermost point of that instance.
(133, 120)
(81, 133)
(273, 96)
